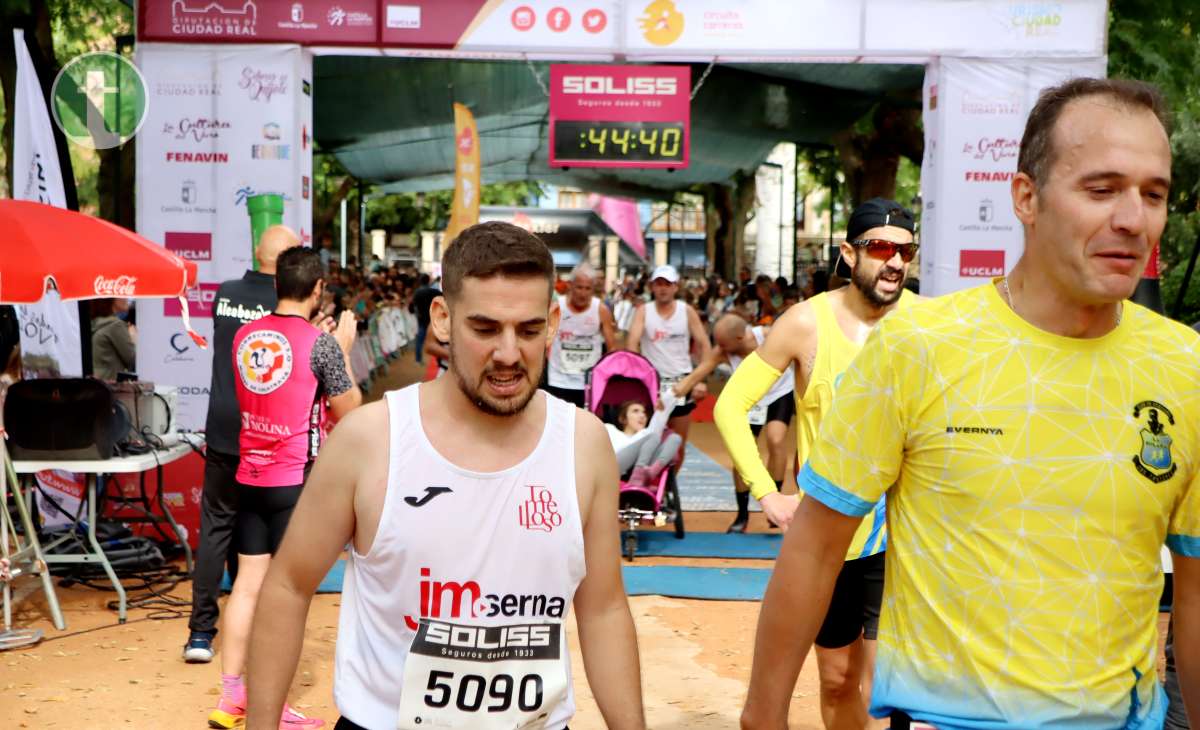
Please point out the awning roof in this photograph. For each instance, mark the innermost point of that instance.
(565, 230)
(389, 120)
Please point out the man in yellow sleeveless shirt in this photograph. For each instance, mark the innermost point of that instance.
(821, 336)
(1038, 441)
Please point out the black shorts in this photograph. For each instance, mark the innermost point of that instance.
(570, 395)
(854, 608)
(781, 409)
(262, 518)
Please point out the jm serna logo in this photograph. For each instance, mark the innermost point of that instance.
(100, 100)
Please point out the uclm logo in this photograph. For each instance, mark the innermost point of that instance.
(189, 246)
(981, 263)
(631, 86)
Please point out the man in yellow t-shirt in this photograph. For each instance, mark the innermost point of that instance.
(1038, 441)
(819, 338)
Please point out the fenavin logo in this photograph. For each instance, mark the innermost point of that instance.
(100, 100)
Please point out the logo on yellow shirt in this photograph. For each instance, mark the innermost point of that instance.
(1155, 461)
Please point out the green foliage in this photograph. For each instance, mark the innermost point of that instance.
(1157, 42)
(413, 212)
(819, 167)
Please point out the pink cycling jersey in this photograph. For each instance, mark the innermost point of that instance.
(280, 399)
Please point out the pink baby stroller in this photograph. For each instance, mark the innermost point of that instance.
(622, 376)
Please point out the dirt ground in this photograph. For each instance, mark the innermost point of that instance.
(695, 655)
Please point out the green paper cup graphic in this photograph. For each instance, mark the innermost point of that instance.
(265, 210)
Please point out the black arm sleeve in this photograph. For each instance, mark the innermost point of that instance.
(329, 366)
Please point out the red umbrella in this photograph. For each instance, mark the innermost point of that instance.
(43, 247)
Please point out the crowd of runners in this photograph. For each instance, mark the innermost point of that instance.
(986, 479)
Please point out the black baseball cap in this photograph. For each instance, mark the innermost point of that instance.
(874, 213)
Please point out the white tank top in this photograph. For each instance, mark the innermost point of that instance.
(577, 347)
(781, 387)
(666, 343)
(455, 616)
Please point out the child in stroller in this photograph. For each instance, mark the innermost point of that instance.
(644, 447)
(650, 494)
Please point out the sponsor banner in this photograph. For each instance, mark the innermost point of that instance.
(570, 27)
(620, 116)
(692, 29)
(975, 113)
(225, 122)
(925, 28)
(256, 21)
(465, 208)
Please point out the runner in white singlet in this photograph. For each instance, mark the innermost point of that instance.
(665, 331)
(585, 331)
(478, 512)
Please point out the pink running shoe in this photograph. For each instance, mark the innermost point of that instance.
(292, 720)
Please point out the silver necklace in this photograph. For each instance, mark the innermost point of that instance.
(1012, 305)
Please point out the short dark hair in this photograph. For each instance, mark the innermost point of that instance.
(492, 249)
(1038, 154)
(297, 272)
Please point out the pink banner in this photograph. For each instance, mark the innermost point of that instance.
(620, 116)
(252, 21)
(621, 215)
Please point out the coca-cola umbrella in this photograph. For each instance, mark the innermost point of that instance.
(43, 247)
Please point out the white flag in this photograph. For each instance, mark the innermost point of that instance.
(49, 329)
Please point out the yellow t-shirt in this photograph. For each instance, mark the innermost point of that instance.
(1036, 478)
(835, 352)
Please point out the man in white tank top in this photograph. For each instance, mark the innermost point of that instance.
(735, 339)
(665, 331)
(477, 511)
(585, 332)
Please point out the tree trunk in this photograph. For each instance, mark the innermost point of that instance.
(40, 41)
(720, 222)
(870, 161)
(114, 185)
(330, 211)
(745, 192)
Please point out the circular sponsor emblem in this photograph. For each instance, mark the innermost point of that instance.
(100, 100)
(264, 361)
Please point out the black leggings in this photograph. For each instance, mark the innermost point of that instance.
(263, 514)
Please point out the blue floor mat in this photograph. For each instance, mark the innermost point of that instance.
(708, 545)
(717, 584)
(332, 582)
(705, 485)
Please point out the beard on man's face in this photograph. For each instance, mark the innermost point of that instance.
(868, 283)
(492, 406)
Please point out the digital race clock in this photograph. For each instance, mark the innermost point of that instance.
(619, 141)
(620, 116)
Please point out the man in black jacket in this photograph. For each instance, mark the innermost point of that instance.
(238, 301)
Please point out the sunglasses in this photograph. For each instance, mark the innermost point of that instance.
(882, 249)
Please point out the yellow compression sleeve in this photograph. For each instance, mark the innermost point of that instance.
(750, 382)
